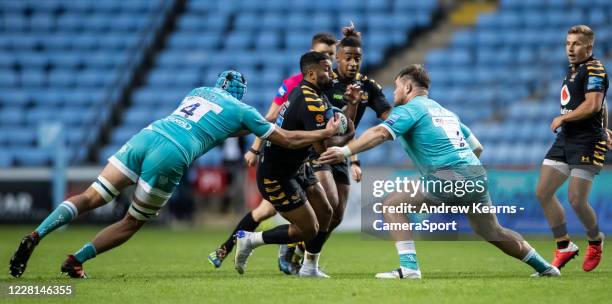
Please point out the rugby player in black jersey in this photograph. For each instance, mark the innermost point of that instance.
(277, 173)
(335, 178)
(579, 150)
(321, 42)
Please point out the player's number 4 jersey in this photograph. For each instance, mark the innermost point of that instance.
(205, 118)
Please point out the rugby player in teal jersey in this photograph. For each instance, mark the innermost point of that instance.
(443, 149)
(155, 159)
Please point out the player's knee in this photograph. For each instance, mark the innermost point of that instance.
(309, 231)
(543, 195)
(576, 200)
(489, 231)
(337, 218)
(325, 217)
(335, 221)
(263, 211)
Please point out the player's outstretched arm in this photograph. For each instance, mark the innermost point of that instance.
(341, 140)
(240, 133)
(300, 139)
(369, 139)
(250, 157)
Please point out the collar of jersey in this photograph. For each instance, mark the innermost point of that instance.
(311, 86)
(586, 60)
(346, 80)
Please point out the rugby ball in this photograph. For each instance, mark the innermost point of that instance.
(343, 123)
(329, 114)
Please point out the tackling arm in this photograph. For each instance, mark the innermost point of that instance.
(300, 139)
(371, 138)
(341, 140)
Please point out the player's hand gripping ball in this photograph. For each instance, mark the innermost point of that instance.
(338, 114)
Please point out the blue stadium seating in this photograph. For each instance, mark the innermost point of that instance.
(58, 62)
(517, 53)
(263, 39)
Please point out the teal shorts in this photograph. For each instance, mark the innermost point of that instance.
(154, 163)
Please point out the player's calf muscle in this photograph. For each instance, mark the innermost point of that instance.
(87, 200)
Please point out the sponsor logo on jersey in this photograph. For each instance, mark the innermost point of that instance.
(392, 119)
(183, 124)
(123, 149)
(320, 118)
(565, 95)
(282, 91)
(595, 83)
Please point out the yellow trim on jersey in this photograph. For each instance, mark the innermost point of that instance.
(600, 75)
(598, 68)
(310, 99)
(273, 189)
(268, 181)
(599, 156)
(312, 108)
(278, 197)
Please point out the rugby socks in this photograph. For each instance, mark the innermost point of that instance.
(314, 246)
(87, 252)
(311, 260)
(407, 254)
(593, 240)
(63, 214)
(561, 236)
(593, 233)
(536, 261)
(595, 243)
(563, 244)
(247, 223)
(276, 235)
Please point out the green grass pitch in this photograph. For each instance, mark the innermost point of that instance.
(163, 266)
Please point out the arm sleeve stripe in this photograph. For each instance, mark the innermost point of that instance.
(272, 128)
(473, 142)
(388, 129)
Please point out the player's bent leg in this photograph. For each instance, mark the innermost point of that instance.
(110, 237)
(580, 185)
(103, 190)
(161, 169)
(249, 222)
(264, 211)
(404, 243)
(303, 226)
(510, 242)
(318, 199)
(552, 175)
(338, 211)
(116, 234)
